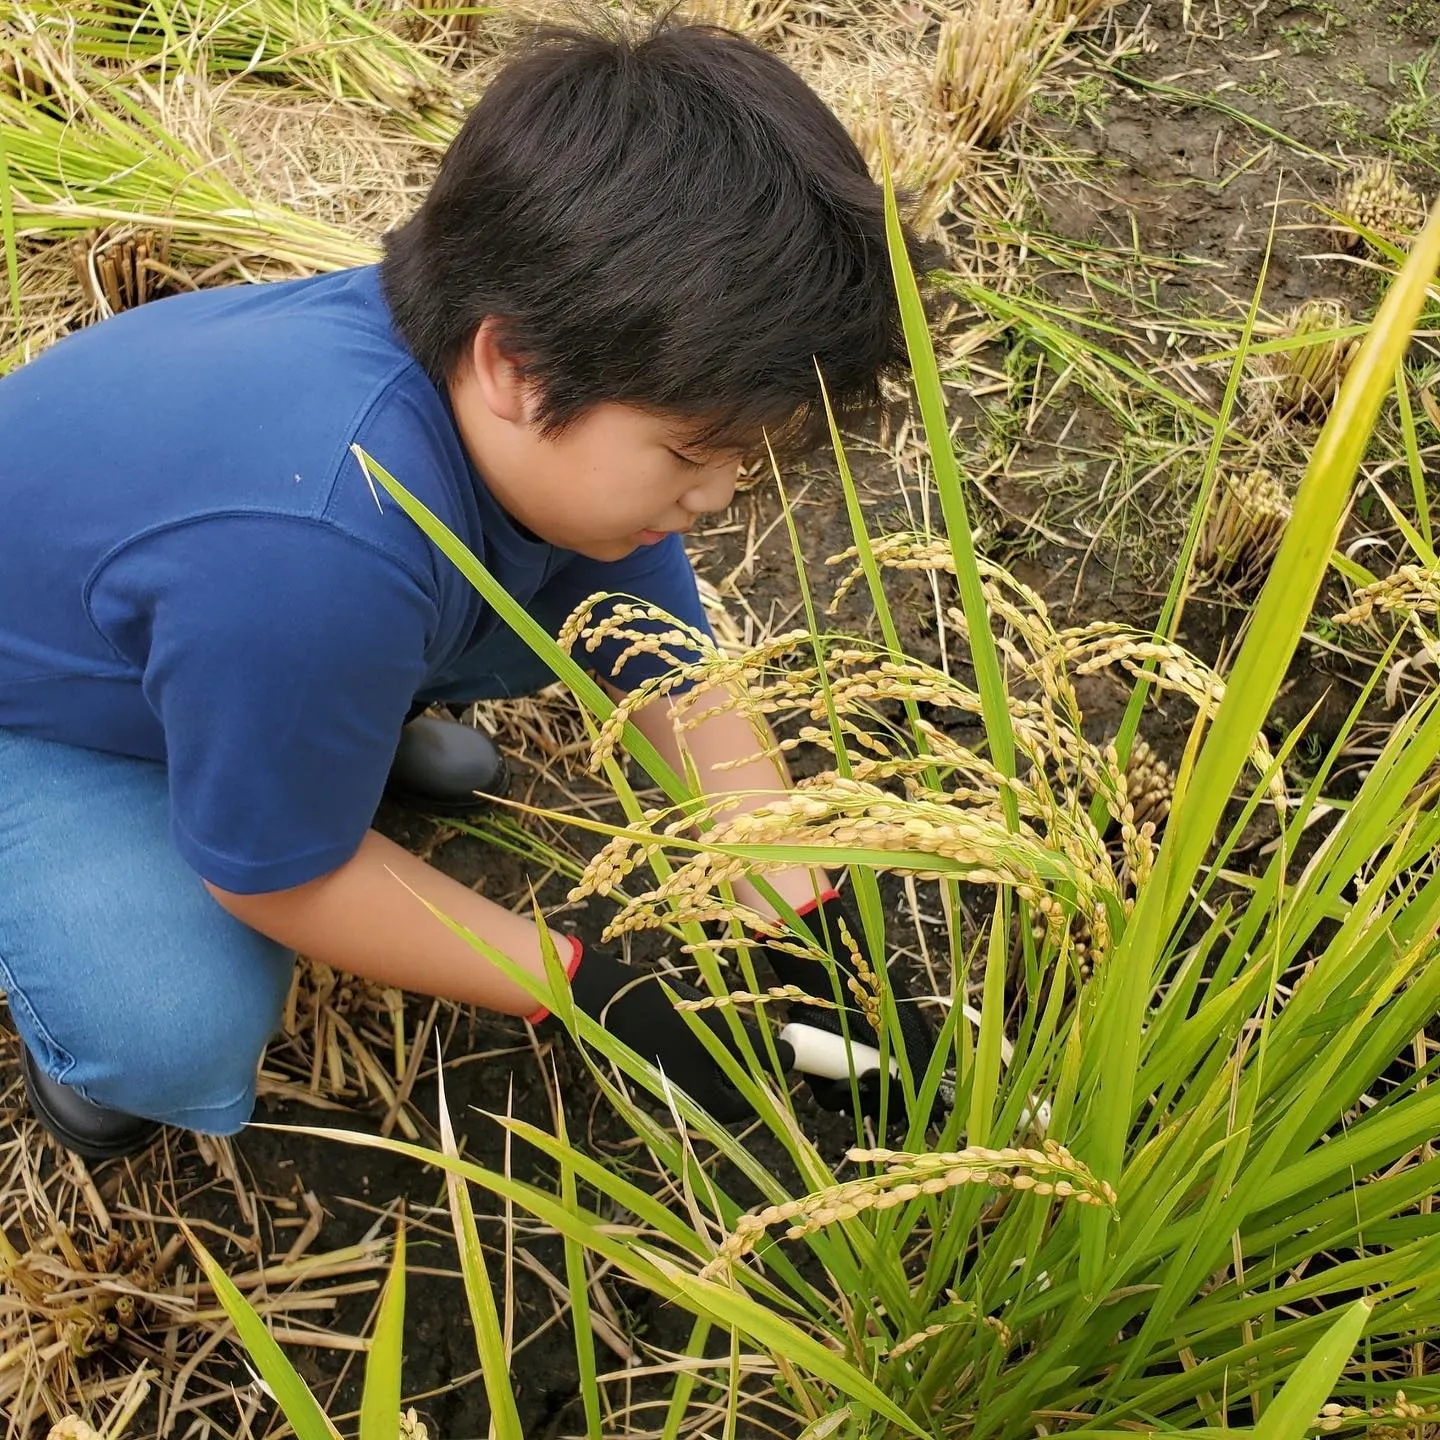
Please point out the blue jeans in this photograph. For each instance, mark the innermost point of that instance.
(125, 978)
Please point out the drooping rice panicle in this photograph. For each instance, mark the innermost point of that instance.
(1049, 1171)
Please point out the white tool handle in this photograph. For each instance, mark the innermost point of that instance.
(818, 1052)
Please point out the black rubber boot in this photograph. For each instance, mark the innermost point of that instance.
(446, 769)
(92, 1131)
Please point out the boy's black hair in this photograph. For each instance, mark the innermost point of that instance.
(674, 221)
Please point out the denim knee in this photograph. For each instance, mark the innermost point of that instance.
(197, 1053)
(124, 976)
(185, 1053)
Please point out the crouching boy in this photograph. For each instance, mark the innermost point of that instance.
(215, 636)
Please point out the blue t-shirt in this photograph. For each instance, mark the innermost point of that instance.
(194, 568)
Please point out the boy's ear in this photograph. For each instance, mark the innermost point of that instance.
(507, 393)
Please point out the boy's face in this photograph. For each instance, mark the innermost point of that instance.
(615, 479)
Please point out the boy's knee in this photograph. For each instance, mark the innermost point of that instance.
(187, 1053)
(199, 1076)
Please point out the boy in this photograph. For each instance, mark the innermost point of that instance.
(214, 638)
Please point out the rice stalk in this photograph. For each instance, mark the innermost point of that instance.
(1081, 12)
(344, 1041)
(455, 32)
(988, 62)
(905, 96)
(1243, 531)
(756, 19)
(120, 269)
(1307, 374)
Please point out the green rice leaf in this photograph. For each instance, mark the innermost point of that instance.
(1415, 466)
(579, 1283)
(380, 1400)
(1291, 1415)
(484, 1317)
(931, 398)
(7, 234)
(291, 1393)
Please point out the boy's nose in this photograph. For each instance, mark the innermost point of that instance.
(714, 491)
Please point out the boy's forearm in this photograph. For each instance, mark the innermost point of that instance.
(363, 918)
(725, 735)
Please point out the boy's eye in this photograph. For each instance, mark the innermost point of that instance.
(686, 460)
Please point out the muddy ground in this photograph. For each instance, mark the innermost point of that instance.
(1146, 154)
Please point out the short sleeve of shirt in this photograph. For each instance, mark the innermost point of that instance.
(660, 575)
(280, 657)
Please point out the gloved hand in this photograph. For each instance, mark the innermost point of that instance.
(633, 1007)
(823, 920)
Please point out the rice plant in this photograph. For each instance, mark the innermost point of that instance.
(1161, 1208)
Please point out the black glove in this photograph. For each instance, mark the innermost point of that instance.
(633, 1007)
(823, 919)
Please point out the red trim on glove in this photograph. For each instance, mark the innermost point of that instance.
(577, 952)
(816, 903)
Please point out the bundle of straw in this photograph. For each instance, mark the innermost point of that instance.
(1243, 531)
(102, 153)
(339, 50)
(1308, 373)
